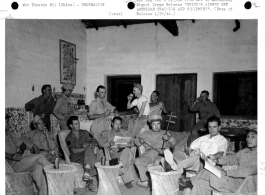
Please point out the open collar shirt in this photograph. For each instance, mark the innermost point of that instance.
(99, 107)
(74, 142)
(209, 145)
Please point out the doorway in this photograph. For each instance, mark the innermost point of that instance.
(177, 92)
(119, 87)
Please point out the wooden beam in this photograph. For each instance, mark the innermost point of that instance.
(85, 22)
(94, 25)
(124, 23)
(237, 25)
(171, 26)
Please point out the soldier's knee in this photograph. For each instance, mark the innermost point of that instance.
(38, 167)
(138, 162)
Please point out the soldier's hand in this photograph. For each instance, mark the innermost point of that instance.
(199, 99)
(141, 140)
(26, 153)
(94, 143)
(85, 145)
(17, 157)
(212, 158)
(161, 104)
(165, 137)
(107, 113)
(112, 143)
(130, 96)
(160, 151)
(131, 142)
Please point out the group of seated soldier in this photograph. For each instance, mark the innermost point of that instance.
(37, 146)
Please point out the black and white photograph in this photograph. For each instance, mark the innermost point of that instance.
(183, 92)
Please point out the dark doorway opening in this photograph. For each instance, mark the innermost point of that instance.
(177, 92)
(119, 87)
(231, 90)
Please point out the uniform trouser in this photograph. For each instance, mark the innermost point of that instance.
(63, 125)
(84, 158)
(194, 131)
(126, 157)
(149, 157)
(138, 125)
(34, 163)
(205, 182)
(192, 163)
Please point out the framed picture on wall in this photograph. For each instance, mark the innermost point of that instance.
(67, 62)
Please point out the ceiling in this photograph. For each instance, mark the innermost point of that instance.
(170, 25)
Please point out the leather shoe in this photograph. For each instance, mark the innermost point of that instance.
(185, 181)
(128, 185)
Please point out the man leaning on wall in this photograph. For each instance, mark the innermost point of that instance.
(43, 105)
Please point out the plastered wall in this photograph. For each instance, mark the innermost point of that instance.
(32, 57)
(203, 47)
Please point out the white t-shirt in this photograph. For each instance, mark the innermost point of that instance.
(138, 102)
(209, 145)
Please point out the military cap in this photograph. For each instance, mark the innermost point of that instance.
(139, 86)
(36, 119)
(155, 117)
(68, 86)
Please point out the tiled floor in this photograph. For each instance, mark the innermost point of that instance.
(124, 191)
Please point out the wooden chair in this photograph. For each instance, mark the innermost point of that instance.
(248, 187)
(18, 183)
(79, 183)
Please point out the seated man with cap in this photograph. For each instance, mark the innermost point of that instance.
(21, 162)
(143, 106)
(246, 160)
(123, 153)
(40, 139)
(154, 142)
(61, 109)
